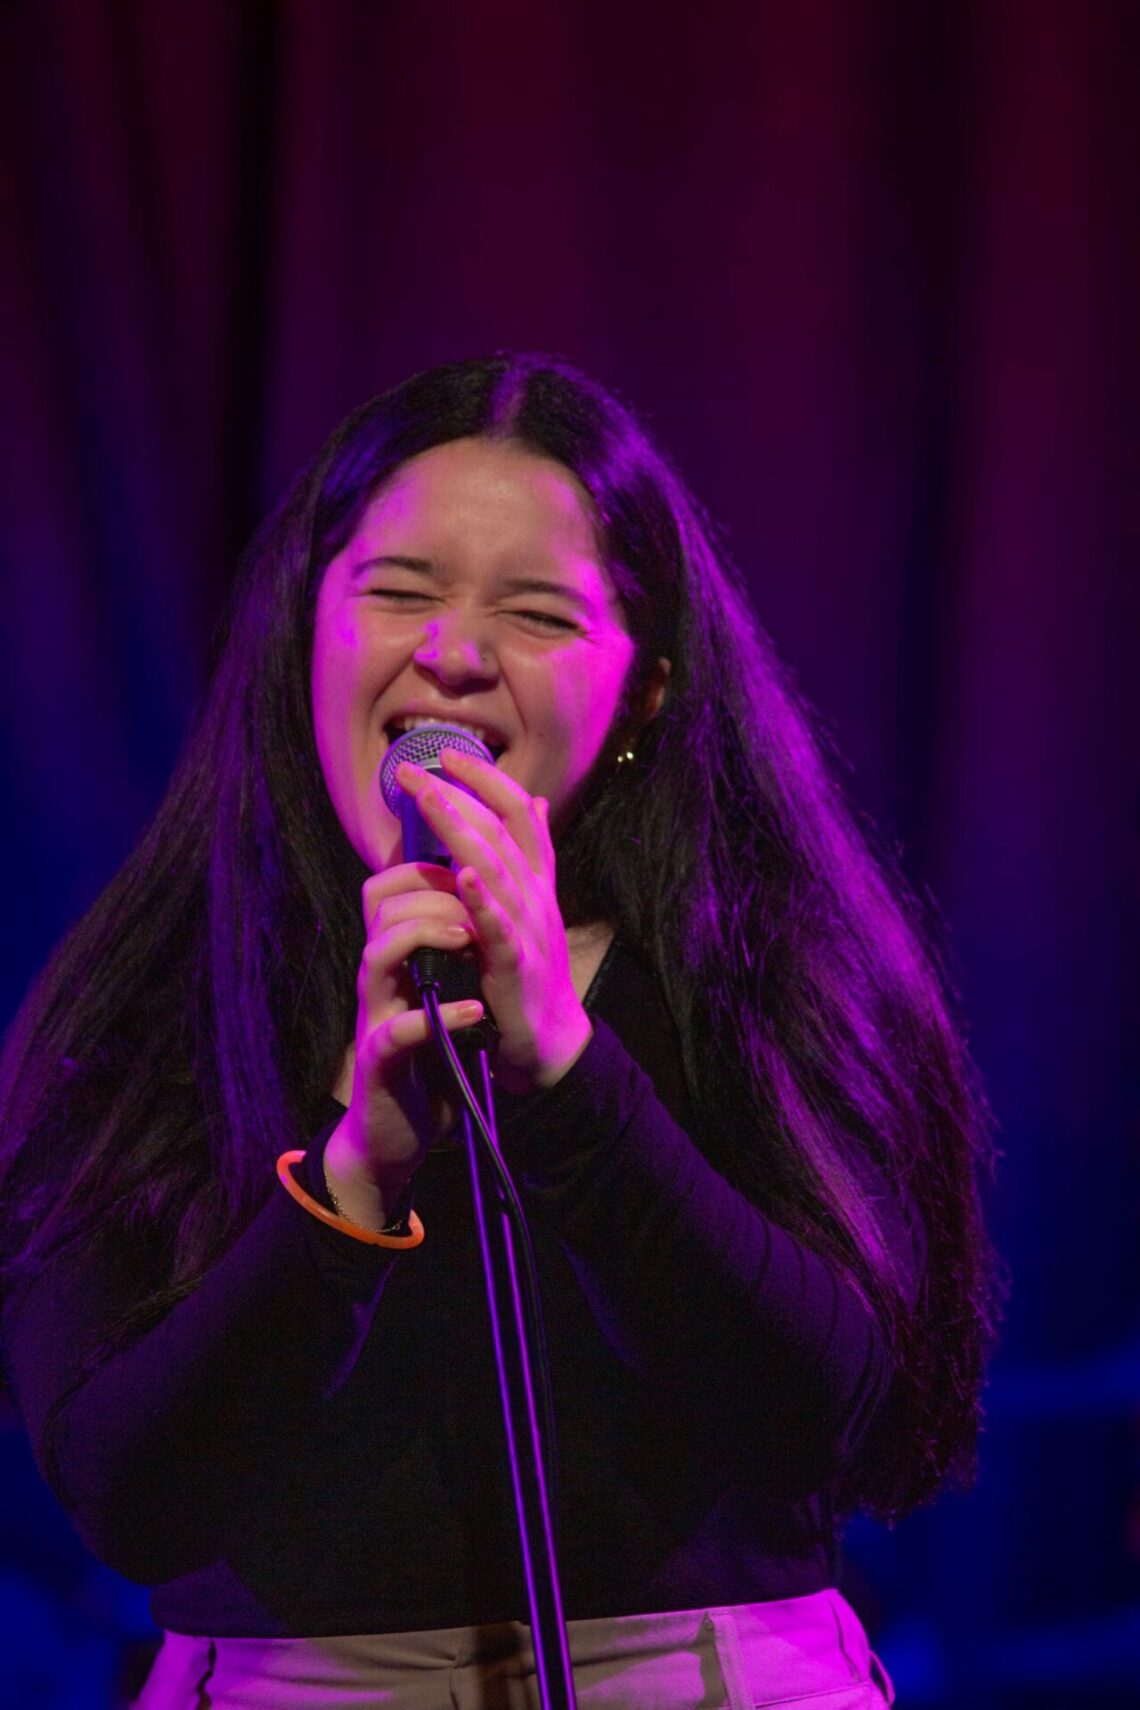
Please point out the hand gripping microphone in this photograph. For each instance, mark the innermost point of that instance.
(456, 973)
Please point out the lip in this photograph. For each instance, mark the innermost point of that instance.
(493, 736)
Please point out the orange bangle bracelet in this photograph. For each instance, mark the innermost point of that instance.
(373, 1237)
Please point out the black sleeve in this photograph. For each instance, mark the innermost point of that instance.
(153, 1450)
(703, 1296)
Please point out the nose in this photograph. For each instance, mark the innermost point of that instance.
(457, 651)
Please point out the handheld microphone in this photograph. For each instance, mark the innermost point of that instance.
(454, 973)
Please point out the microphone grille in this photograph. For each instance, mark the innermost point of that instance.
(422, 747)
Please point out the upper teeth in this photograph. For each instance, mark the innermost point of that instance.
(415, 722)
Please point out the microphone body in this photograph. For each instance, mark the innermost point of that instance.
(454, 973)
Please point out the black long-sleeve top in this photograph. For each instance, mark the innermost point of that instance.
(311, 1442)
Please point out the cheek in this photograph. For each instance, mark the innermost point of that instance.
(347, 666)
(352, 661)
(582, 703)
(593, 717)
(331, 679)
(343, 699)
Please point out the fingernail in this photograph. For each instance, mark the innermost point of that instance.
(458, 931)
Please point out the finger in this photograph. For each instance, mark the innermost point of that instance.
(382, 964)
(418, 905)
(495, 931)
(406, 876)
(542, 808)
(401, 1033)
(472, 834)
(517, 810)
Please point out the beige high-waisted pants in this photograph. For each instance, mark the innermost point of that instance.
(808, 1651)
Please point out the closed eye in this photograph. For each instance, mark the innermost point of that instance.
(548, 619)
(545, 620)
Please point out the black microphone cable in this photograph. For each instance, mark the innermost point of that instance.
(484, 1124)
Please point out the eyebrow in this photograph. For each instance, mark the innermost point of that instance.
(511, 585)
(396, 561)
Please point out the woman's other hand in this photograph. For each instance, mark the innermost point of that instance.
(499, 839)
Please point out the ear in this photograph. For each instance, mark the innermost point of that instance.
(655, 691)
(645, 709)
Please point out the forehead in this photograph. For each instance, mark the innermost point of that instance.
(478, 493)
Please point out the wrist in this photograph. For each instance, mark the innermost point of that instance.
(357, 1189)
(557, 1062)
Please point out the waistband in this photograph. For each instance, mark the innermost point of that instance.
(716, 1658)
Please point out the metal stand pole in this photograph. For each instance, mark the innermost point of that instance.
(515, 1360)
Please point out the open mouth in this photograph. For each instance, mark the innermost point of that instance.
(489, 737)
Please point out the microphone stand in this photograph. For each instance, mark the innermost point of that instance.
(516, 1358)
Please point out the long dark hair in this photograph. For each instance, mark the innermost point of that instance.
(190, 1026)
